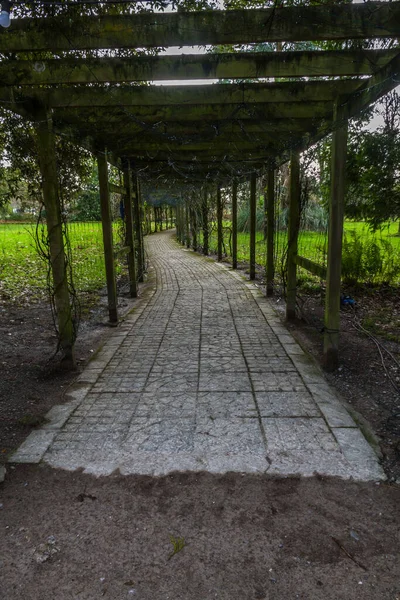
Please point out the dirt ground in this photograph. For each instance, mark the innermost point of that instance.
(68, 535)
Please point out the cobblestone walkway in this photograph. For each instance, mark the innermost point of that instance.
(203, 377)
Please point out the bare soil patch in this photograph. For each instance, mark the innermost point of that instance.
(69, 535)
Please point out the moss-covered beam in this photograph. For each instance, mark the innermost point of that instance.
(241, 65)
(148, 115)
(297, 23)
(198, 95)
(369, 92)
(109, 122)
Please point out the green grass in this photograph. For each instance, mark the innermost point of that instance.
(23, 273)
(312, 245)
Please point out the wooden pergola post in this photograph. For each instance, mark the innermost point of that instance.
(130, 239)
(234, 224)
(253, 218)
(51, 198)
(138, 228)
(335, 238)
(205, 222)
(293, 233)
(270, 217)
(193, 221)
(106, 223)
(219, 224)
(155, 219)
(187, 224)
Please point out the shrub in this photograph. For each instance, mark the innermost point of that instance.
(369, 260)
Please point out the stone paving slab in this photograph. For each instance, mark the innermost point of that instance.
(203, 376)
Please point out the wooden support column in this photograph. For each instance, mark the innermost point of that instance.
(155, 219)
(205, 222)
(107, 237)
(293, 233)
(270, 194)
(193, 221)
(335, 237)
(141, 216)
(187, 225)
(51, 198)
(234, 224)
(265, 221)
(137, 219)
(130, 239)
(219, 224)
(253, 219)
(178, 223)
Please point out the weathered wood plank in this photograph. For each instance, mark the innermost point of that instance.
(198, 95)
(116, 189)
(241, 65)
(143, 30)
(311, 266)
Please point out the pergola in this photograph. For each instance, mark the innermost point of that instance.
(266, 109)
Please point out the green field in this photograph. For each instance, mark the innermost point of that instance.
(313, 245)
(23, 274)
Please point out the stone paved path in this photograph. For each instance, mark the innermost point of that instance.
(203, 377)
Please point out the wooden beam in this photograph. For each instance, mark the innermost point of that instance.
(109, 120)
(116, 189)
(54, 224)
(198, 95)
(107, 237)
(143, 30)
(374, 88)
(293, 232)
(311, 266)
(369, 92)
(335, 235)
(239, 65)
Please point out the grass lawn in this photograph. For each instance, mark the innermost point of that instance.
(22, 272)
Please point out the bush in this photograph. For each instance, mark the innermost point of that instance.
(243, 221)
(369, 260)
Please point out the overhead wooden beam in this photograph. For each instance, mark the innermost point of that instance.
(143, 30)
(369, 92)
(148, 115)
(240, 65)
(108, 122)
(198, 95)
(224, 145)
